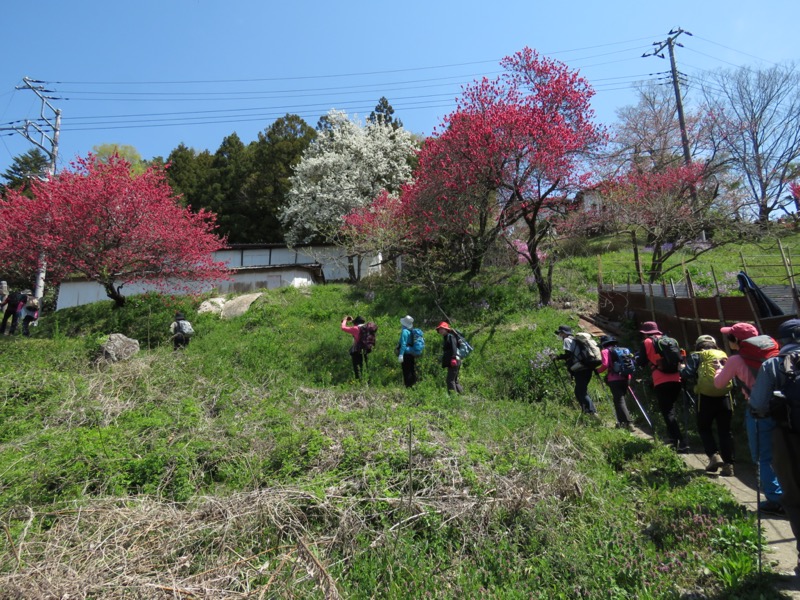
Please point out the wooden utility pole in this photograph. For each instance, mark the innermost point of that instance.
(670, 44)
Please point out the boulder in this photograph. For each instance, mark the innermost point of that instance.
(237, 306)
(212, 305)
(118, 347)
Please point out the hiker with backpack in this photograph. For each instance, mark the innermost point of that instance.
(752, 350)
(182, 331)
(776, 393)
(661, 354)
(713, 404)
(411, 345)
(619, 364)
(363, 341)
(14, 303)
(29, 314)
(581, 360)
(451, 360)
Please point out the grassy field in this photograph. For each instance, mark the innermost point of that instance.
(251, 465)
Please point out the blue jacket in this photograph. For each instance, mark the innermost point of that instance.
(768, 380)
(405, 335)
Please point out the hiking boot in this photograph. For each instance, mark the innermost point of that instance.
(770, 507)
(629, 426)
(726, 470)
(714, 463)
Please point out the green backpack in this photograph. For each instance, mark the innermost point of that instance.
(709, 362)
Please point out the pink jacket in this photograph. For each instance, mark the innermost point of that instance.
(354, 331)
(735, 366)
(606, 366)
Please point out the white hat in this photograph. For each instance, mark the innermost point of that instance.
(407, 321)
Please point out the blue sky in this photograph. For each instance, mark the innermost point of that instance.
(153, 74)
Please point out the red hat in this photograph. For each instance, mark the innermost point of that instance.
(741, 331)
(650, 328)
(443, 325)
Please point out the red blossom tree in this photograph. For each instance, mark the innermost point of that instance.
(113, 227)
(670, 208)
(510, 153)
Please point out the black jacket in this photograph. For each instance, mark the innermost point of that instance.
(449, 349)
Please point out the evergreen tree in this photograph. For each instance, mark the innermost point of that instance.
(31, 165)
(383, 114)
(275, 154)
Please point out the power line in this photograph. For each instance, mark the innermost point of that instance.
(330, 76)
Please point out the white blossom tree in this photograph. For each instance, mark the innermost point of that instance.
(345, 167)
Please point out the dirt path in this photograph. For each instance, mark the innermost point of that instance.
(779, 546)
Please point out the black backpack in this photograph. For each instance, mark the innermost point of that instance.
(14, 299)
(669, 352)
(784, 407)
(366, 337)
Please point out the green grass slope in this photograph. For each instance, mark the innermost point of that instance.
(251, 465)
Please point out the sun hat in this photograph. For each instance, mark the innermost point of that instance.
(444, 325)
(650, 328)
(407, 321)
(741, 331)
(607, 340)
(565, 329)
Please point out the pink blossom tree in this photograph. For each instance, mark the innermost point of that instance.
(511, 153)
(114, 227)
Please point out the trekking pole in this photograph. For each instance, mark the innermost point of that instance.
(758, 491)
(558, 374)
(641, 408)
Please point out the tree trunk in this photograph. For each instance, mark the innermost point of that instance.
(115, 294)
(351, 269)
(544, 282)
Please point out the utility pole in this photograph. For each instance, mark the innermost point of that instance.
(670, 44)
(42, 133)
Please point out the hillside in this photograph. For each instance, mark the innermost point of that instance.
(250, 465)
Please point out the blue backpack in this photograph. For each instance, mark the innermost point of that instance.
(622, 361)
(416, 342)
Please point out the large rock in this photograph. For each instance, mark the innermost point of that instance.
(117, 348)
(212, 305)
(237, 306)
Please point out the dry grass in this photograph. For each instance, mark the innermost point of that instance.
(270, 543)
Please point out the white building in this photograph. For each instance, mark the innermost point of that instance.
(253, 267)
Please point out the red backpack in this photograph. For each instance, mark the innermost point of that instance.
(756, 350)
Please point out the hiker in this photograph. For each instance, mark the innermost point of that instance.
(13, 303)
(666, 379)
(29, 314)
(713, 404)
(777, 374)
(406, 352)
(580, 373)
(743, 368)
(619, 370)
(358, 353)
(182, 331)
(450, 357)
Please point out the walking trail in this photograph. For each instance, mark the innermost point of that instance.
(778, 542)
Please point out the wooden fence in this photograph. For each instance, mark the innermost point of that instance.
(683, 315)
